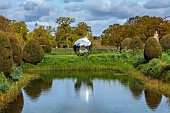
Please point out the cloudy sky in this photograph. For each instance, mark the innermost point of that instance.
(99, 14)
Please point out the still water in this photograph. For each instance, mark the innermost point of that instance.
(88, 92)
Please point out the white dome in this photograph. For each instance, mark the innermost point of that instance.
(82, 42)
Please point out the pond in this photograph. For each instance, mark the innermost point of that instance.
(88, 92)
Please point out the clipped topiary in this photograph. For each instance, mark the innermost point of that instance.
(33, 52)
(5, 54)
(125, 43)
(152, 49)
(45, 44)
(136, 44)
(165, 42)
(16, 50)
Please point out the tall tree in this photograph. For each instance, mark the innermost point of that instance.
(64, 31)
(112, 36)
(20, 30)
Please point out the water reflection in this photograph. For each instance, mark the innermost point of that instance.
(88, 92)
(136, 86)
(153, 99)
(16, 106)
(35, 87)
(85, 91)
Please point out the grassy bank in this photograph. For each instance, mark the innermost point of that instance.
(12, 88)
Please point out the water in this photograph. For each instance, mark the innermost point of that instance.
(88, 92)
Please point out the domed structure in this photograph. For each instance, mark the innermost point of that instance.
(82, 46)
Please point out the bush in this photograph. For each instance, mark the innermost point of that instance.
(125, 43)
(45, 44)
(165, 42)
(16, 50)
(136, 44)
(152, 49)
(5, 54)
(33, 52)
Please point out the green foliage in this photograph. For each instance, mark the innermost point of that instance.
(45, 44)
(16, 50)
(136, 44)
(156, 68)
(16, 73)
(152, 49)
(165, 42)
(5, 54)
(20, 30)
(33, 52)
(4, 85)
(125, 44)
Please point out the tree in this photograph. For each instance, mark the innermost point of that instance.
(112, 36)
(65, 20)
(20, 30)
(83, 29)
(64, 31)
(4, 24)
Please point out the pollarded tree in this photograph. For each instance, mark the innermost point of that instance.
(5, 54)
(33, 52)
(136, 44)
(165, 42)
(152, 49)
(16, 50)
(125, 44)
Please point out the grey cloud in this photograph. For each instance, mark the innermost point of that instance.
(107, 9)
(67, 1)
(4, 6)
(29, 5)
(33, 11)
(156, 4)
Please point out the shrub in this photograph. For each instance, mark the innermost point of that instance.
(136, 44)
(152, 49)
(33, 52)
(5, 54)
(45, 44)
(125, 43)
(16, 50)
(165, 42)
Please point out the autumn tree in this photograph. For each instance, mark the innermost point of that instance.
(64, 31)
(4, 24)
(20, 30)
(112, 36)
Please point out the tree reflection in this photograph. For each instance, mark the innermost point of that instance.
(16, 106)
(153, 99)
(35, 87)
(136, 86)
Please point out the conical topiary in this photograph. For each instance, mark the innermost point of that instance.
(5, 54)
(125, 43)
(33, 52)
(152, 49)
(45, 44)
(165, 42)
(136, 44)
(16, 50)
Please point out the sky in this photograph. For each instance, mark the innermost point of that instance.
(98, 14)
